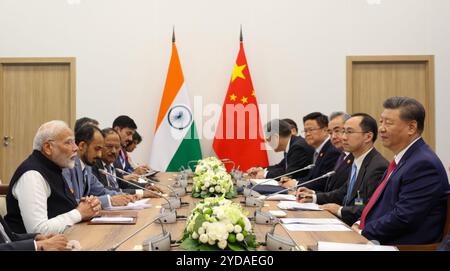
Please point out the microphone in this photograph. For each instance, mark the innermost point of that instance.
(159, 242)
(280, 243)
(167, 217)
(250, 192)
(266, 217)
(151, 182)
(228, 161)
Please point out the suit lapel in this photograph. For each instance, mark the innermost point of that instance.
(419, 143)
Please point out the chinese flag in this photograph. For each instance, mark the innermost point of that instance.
(239, 136)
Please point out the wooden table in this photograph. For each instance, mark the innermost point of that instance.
(102, 237)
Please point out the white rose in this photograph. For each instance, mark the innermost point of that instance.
(211, 242)
(230, 227)
(205, 224)
(224, 191)
(203, 238)
(201, 230)
(218, 188)
(194, 235)
(206, 184)
(239, 237)
(237, 229)
(248, 225)
(211, 189)
(222, 244)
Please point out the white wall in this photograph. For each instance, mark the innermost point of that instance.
(296, 50)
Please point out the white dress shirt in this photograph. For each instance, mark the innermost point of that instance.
(32, 192)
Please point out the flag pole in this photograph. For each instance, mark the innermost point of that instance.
(173, 33)
(241, 39)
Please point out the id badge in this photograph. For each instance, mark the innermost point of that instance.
(359, 201)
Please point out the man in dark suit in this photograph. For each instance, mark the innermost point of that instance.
(13, 241)
(347, 202)
(410, 204)
(345, 160)
(126, 127)
(109, 156)
(80, 179)
(325, 155)
(297, 153)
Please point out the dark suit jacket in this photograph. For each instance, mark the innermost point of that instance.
(413, 205)
(299, 155)
(341, 176)
(369, 177)
(325, 163)
(19, 241)
(123, 186)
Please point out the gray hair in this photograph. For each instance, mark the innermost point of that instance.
(48, 131)
(342, 114)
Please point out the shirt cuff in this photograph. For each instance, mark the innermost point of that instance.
(35, 245)
(140, 193)
(314, 198)
(265, 173)
(339, 212)
(109, 200)
(74, 216)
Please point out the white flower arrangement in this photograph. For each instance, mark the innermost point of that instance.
(218, 223)
(211, 178)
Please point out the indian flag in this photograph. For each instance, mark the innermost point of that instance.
(176, 141)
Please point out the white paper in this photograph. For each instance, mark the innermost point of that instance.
(282, 197)
(137, 205)
(332, 246)
(264, 182)
(312, 221)
(313, 227)
(112, 219)
(293, 205)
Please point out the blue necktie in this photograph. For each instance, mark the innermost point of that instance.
(350, 184)
(285, 161)
(85, 182)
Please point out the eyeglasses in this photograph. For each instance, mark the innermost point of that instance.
(309, 130)
(350, 132)
(338, 132)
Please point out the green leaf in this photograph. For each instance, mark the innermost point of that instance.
(195, 195)
(190, 244)
(205, 247)
(236, 247)
(231, 238)
(250, 241)
(199, 222)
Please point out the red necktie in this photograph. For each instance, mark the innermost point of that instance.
(376, 194)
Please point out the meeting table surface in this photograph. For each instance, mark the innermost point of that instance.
(104, 236)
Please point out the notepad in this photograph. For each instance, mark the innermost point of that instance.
(312, 221)
(112, 219)
(137, 205)
(293, 205)
(332, 246)
(282, 197)
(264, 181)
(316, 227)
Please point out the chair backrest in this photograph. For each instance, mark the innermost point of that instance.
(3, 192)
(447, 220)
